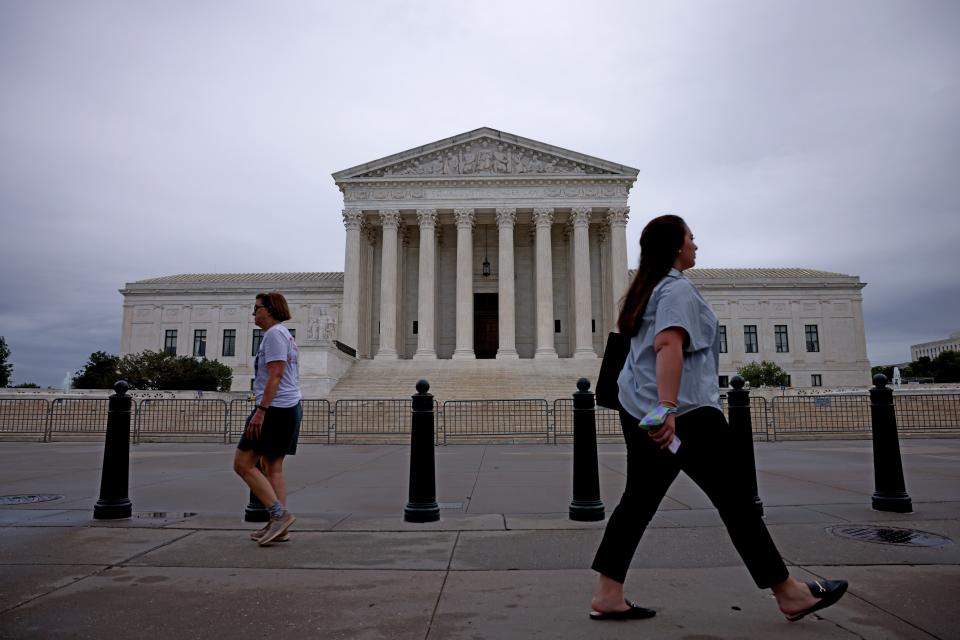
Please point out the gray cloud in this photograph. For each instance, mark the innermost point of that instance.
(139, 140)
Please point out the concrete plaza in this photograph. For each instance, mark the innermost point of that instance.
(503, 562)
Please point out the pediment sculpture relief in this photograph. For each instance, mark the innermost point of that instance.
(485, 157)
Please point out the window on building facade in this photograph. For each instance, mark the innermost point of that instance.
(723, 338)
(750, 344)
(229, 342)
(199, 343)
(257, 339)
(416, 327)
(556, 326)
(170, 341)
(789, 382)
(780, 338)
(293, 333)
(816, 380)
(813, 337)
(724, 382)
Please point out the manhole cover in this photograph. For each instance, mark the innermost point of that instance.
(28, 498)
(163, 515)
(891, 535)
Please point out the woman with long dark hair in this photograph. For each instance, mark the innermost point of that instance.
(669, 380)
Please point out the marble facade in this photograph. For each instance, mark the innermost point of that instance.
(528, 240)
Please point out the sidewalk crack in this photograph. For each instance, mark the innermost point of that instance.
(446, 574)
(477, 479)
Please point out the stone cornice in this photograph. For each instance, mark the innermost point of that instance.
(134, 289)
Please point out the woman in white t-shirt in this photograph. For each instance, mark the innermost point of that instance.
(272, 427)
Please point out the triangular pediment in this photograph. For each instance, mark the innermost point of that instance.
(484, 153)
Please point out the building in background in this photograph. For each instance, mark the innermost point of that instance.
(489, 246)
(935, 348)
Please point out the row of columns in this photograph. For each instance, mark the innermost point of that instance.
(543, 218)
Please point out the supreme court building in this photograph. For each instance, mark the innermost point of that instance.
(487, 245)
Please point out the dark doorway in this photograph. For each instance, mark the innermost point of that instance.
(486, 337)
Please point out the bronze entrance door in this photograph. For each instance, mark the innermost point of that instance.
(486, 337)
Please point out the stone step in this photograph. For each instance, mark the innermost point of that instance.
(466, 380)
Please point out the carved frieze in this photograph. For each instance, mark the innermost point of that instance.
(501, 190)
(486, 157)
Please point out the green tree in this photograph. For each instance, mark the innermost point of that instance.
(763, 374)
(6, 369)
(154, 370)
(886, 370)
(921, 368)
(26, 385)
(100, 372)
(946, 367)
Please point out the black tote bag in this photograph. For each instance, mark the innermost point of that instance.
(614, 355)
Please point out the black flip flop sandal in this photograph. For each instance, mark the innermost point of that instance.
(826, 591)
(635, 612)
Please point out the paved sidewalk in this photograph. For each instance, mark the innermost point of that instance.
(503, 562)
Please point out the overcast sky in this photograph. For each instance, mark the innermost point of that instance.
(141, 139)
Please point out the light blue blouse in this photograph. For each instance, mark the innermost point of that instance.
(675, 302)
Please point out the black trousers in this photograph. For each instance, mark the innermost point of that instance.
(709, 456)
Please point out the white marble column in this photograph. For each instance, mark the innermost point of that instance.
(350, 322)
(617, 219)
(506, 217)
(390, 219)
(426, 286)
(464, 344)
(543, 219)
(583, 300)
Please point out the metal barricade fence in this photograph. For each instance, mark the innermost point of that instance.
(785, 417)
(800, 416)
(929, 412)
(376, 420)
(165, 420)
(517, 419)
(315, 426)
(237, 418)
(607, 421)
(78, 417)
(760, 416)
(24, 417)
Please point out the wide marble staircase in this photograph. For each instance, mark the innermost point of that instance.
(466, 380)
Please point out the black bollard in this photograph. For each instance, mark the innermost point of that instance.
(255, 511)
(586, 505)
(891, 492)
(114, 502)
(738, 400)
(422, 506)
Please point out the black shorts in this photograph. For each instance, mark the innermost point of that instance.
(278, 434)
